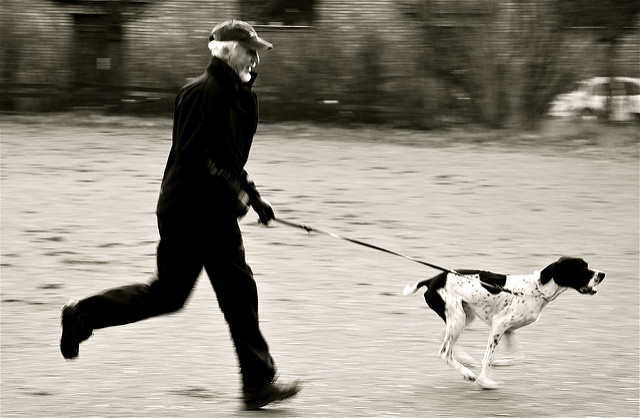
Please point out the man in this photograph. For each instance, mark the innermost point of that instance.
(204, 191)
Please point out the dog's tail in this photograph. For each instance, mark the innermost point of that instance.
(411, 289)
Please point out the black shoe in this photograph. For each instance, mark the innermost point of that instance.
(72, 334)
(271, 392)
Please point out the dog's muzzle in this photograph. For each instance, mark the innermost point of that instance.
(590, 288)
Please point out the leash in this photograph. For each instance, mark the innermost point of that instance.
(310, 229)
(364, 244)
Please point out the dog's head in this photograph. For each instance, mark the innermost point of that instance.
(574, 273)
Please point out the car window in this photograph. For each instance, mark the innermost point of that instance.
(632, 89)
(601, 89)
(578, 85)
(618, 89)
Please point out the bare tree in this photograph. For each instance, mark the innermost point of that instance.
(510, 57)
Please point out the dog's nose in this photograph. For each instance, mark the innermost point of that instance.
(600, 276)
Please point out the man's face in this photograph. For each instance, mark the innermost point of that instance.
(242, 60)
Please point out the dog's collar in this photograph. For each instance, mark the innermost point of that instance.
(542, 294)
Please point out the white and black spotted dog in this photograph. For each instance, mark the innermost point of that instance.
(505, 302)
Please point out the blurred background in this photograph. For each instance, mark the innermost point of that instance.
(405, 63)
(470, 133)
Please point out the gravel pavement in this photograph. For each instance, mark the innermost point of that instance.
(78, 199)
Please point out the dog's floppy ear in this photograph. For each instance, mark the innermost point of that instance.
(547, 273)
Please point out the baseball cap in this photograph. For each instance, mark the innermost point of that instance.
(237, 30)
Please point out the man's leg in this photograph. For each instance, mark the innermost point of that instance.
(237, 294)
(179, 264)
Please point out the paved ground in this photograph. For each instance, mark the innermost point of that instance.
(78, 196)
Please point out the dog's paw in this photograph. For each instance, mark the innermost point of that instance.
(468, 375)
(470, 378)
(486, 383)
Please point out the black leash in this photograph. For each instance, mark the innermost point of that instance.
(388, 251)
(364, 244)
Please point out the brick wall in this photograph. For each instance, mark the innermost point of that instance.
(35, 48)
(167, 41)
(349, 48)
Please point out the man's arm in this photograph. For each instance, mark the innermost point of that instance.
(260, 205)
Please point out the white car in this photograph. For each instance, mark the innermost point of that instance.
(589, 99)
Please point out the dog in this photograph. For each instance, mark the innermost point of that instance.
(505, 302)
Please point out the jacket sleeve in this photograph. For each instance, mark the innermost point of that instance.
(249, 186)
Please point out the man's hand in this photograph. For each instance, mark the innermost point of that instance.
(264, 210)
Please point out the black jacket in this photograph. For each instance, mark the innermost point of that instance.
(215, 117)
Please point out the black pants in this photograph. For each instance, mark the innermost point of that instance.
(186, 246)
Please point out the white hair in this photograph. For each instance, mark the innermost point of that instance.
(222, 49)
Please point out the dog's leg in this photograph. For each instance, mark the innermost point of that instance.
(460, 354)
(456, 320)
(511, 353)
(465, 358)
(484, 378)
